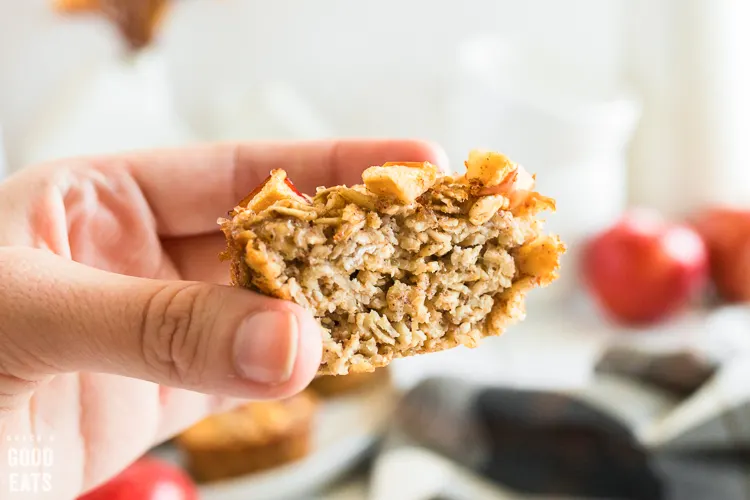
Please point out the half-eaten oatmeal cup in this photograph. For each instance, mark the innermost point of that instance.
(410, 262)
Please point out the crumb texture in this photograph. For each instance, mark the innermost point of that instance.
(410, 262)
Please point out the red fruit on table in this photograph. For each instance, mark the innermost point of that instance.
(146, 479)
(644, 268)
(726, 232)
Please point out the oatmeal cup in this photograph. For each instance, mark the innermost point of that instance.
(412, 261)
(252, 438)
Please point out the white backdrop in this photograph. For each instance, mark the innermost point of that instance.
(294, 68)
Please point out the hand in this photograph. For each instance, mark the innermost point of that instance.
(112, 337)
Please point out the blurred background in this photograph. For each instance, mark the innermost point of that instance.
(615, 104)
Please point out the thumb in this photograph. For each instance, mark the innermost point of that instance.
(59, 316)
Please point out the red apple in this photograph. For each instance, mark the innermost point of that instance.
(644, 268)
(147, 479)
(726, 232)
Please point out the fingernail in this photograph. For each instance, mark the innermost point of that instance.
(265, 347)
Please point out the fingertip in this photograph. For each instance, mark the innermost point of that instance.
(309, 349)
(278, 350)
(309, 352)
(436, 155)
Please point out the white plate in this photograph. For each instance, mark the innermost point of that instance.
(345, 430)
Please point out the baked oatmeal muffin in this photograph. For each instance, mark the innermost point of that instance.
(410, 262)
(332, 386)
(255, 437)
(136, 20)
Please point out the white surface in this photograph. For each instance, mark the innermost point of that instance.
(368, 70)
(276, 111)
(418, 474)
(346, 428)
(44, 59)
(688, 61)
(125, 105)
(355, 488)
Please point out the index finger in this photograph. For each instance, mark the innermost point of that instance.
(188, 189)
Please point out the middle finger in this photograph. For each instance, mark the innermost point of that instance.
(197, 257)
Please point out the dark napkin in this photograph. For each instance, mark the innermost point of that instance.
(650, 427)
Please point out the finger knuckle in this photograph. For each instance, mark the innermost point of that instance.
(172, 334)
(15, 392)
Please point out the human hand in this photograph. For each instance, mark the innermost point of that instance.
(116, 324)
